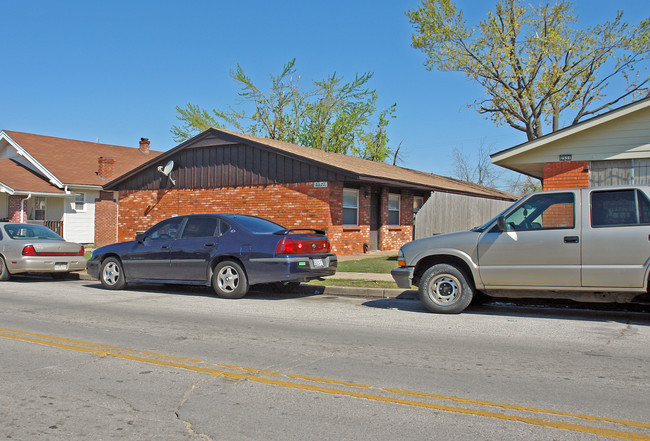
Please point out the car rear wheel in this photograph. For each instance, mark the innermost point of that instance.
(111, 274)
(229, 280)
(445, 289)
(4, 272)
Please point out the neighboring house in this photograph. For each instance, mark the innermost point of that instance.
(362, 205)
(609, 149)
(58, 182)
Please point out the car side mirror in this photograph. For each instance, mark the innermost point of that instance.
(501, 223)
(139, 236)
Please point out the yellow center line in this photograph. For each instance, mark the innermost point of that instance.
(178, 363)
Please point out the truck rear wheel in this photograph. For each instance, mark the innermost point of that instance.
(445, 289)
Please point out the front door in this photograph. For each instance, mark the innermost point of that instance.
(375, 221)
(540, 247)
(150, 259)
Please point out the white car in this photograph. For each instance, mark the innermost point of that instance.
(28, 248)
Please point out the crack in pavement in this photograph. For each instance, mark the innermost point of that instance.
(188, 425)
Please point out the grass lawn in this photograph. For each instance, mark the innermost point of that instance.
(372, 265)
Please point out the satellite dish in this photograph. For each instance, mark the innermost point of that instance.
(167, 170)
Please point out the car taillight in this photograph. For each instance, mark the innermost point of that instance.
(301, 246)
(29, 251)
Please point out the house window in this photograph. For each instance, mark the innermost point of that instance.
(80, 202)
(418, 202)
(393, 209)
(350, 206)
(625, 172)
(39, 208)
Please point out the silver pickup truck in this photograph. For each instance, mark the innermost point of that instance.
(590, 244)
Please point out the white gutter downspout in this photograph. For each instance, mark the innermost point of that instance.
(22, 212)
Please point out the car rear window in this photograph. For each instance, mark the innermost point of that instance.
(257, 224)
(30, 232)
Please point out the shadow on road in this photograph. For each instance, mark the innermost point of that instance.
(541, 308)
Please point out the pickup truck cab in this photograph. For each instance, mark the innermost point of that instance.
(590, 244)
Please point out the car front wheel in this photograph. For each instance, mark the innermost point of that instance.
(111, 274)
(229, 280)
(445, 289)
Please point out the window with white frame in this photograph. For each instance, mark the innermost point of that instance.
(80, 202)
(393, 209)
(350, 206)
(39, 208)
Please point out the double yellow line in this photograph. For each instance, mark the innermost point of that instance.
(605, 427)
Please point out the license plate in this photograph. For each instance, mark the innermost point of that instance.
(60, 266)
(318, 263)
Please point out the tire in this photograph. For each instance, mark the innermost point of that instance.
(111, 274)
(229, 280)
(445, 289)
(4, 272)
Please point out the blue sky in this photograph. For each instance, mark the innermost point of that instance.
(115, 71)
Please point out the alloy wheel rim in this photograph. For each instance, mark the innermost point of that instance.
(111, 273)
(228, 279)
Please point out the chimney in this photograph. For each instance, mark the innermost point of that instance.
(144, 145)
(105, 171)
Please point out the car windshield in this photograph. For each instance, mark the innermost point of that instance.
(257, 224)
(30, 232)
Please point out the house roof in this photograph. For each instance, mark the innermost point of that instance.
(528, 158)
(17, 178)
(75, 162)
(362, 169)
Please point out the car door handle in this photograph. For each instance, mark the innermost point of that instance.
(164, 247)
(208, 245)
(571, 239)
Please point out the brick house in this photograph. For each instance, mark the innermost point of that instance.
(58, 182)
(362, 205)
(609, 149)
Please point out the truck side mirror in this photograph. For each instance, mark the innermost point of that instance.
(501, 223)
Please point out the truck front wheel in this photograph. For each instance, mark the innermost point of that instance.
(445, 289)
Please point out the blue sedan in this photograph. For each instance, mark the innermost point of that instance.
(231, 252)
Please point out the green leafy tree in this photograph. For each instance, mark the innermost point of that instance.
(333, 115)
(533, 62)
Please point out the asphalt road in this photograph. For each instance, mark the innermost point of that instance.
(175, 363)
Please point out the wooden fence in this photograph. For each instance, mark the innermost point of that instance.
(447, 212)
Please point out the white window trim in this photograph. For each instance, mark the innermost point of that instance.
(354, 190)
(36, 199)
(74, 203)
(399, 209)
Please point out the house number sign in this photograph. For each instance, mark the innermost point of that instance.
(320, 184)
(566, 158)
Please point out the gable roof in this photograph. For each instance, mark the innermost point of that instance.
(529, 157)
(16, 178)
(73, 162)
(357, 168)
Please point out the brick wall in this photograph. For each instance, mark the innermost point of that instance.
(292, 205)
(105, 219)
(563, 175)
(15, 206)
